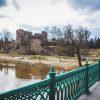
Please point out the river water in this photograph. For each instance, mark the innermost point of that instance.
(14, 75)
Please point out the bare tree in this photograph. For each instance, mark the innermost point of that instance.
(45, 43)
(6, 38)
(57, 35)
(70, 51)
(86, 37)
(75, 37)
(1, 41)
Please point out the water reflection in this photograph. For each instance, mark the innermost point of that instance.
(6, 66)
(19, 74)
(26, 71)
(37, 71)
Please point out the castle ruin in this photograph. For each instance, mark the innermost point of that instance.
(25, 38)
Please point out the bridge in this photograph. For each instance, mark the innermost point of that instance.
(68, 86)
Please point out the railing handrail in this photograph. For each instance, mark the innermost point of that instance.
(42, 81)
(27, 86)
(72, 72)
(69, 85)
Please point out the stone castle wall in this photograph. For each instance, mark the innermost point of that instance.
(25, 36)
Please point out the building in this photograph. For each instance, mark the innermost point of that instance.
(25, 38)
(21, 36)
(42, 36)
(12, 43)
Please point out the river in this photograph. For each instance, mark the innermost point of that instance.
(14, 74)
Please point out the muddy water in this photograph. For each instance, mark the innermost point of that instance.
(14, 75)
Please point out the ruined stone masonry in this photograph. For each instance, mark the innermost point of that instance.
(27, 38)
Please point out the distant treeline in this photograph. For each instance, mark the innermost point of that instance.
(94, 43)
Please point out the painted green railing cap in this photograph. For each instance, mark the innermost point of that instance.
(98, 60)
(52, 70)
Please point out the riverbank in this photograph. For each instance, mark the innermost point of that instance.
(67, 63)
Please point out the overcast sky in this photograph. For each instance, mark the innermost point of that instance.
(33, 15)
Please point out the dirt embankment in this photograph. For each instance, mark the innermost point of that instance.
(66, 63)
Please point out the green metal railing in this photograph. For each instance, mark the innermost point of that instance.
(68, 86)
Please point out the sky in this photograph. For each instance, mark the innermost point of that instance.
(34, 15)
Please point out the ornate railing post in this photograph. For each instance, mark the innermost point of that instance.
(87, 78)
(99, 68)
(52, 74)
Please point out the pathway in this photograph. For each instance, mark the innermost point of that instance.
(95, 93)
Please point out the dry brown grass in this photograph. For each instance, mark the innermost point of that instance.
(67, 63)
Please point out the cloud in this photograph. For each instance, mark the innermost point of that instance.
(16, 5)
(30, 28)
(3, 3)
(55, 2)
(4, 16)
(26, 26)
(33, 15)
(93, 5)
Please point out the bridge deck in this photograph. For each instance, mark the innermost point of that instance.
(95, 93)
